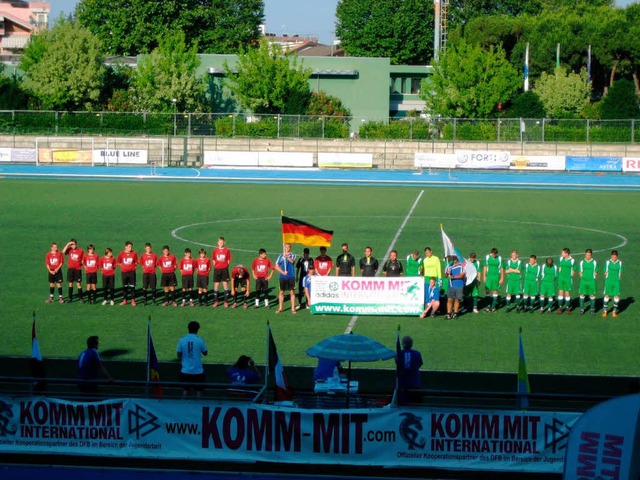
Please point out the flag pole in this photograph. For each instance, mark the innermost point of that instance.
(147, 388)
(266, 363)
(394, 400)
(282, 215)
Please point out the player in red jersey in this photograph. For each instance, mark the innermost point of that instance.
(108, 268)
(221, 260)
(203, 265)
(128, 262)
(187, 267)
(323, 263)
(168, 263)
(74, 267)
(90, 263)
(240, 283)
(262, 269)
(54, 260)
(149, 261)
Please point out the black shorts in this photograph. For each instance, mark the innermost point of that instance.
(56, 277)
(129, 278)
(168, 280)
(203, 281)
(240, 282)
(149, 280)
(262, 284)
(192, 378)
(187, 281)
(92, 278)
(221, 275)
(108, 282)
(287, 284)
(74, 275)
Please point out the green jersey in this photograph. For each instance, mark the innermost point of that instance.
(412, 268)
(588, 269)
(514, 279)
(549, 274)
(493, 265)
(565, 267)
(532, 272)
(613, 270)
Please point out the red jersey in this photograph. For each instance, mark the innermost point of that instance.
(187, 265)
(167, 263)
(54, 260)
(323, 264)
(90, 262)
(204, 266)
(261, 267)
(128, 261)
(221, 257)
(148, 262)
(75, 258)
(108, 266)
(239, 271)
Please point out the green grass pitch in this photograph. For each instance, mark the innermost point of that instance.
(35, 213)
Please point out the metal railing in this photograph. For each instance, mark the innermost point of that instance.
(232, 125)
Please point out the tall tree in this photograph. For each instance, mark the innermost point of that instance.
(130, 28)
(63, 67)
(399, 29)
(564, 94)
(265, 81)
(166, 80)
(469, 81)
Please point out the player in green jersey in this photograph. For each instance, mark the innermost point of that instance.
(532, 273)
(548, 278)
(566, 270)
(413, 264)
(612, 277)
(588, 271)
(513, 270)
(473, 289)
(493, 275)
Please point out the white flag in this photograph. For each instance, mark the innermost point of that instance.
(451, 250)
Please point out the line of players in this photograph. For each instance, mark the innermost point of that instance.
(525, 282)
(528, 285)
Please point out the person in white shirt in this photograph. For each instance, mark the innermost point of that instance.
(190, 350)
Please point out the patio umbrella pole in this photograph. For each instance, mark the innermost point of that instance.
(348, 383)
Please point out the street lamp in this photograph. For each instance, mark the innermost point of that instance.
(175, 112)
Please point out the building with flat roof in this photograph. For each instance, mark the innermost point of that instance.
(371, 88)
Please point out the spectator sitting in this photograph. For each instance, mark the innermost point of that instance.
(324, 370)
(244, 372)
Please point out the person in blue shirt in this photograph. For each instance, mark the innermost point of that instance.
(244, 372)
(408, 362)
(285, 265)
(456, 275)
(431, 299)
(306, 284)
(324, 369)
(89, 366)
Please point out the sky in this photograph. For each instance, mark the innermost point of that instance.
(303, 17)
(313, 17)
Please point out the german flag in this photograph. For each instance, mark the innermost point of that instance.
(297, 231)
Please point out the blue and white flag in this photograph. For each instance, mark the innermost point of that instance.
(450, 250)
(526, 69)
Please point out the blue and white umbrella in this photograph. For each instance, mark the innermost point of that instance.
(351, 347)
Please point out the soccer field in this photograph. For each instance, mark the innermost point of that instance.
(107, 213)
